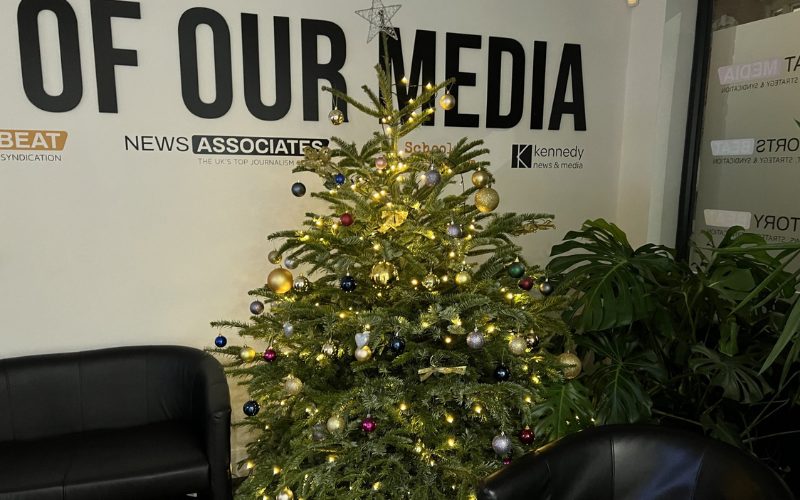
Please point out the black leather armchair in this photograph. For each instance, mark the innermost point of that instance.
(126, 423)
(635, 462)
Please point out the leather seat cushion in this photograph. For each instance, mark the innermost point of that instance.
(151, 461)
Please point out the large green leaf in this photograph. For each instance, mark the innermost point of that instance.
(564, 408)
(790, 329)
(734, 374)
(611, 283)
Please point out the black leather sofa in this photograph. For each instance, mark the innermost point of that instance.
(635, 462)
(125, 423)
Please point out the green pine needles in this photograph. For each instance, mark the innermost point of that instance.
(452, 349)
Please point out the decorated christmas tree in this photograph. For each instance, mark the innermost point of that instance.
(408, 343)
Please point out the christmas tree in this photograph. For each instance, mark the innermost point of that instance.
(410, 358)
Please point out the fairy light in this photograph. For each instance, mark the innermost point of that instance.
(415, 281)
(536, 380)
(331, 459)
(451, 442)
(342, 315)
(528, 399)
(250, 465)
(449, 418)
(276, 470)
(404, 81)
(477, 408)
(376, 486)
(448, 339)
(428, 86)
(403, 407)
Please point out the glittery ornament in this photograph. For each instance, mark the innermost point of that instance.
(517, 345)
(346, 219)
(430, 281)
(247, 354)
(301, 284)
(454, 230)
(475, 339)
(516, 270)
(447, 102)
(274, 257)
(369, 425)
(298, 189)
(335, 423)
(347, 283)
(251, 408)
(383, 274)
(280, 280)
(336, 116)
(318, 432)
(285, 494)
(256, 307)
(486, 199)
(571, 365)
(363, 353)
(502, 373)
(292, 385)
(481, 178)
(328, 348)
(270, 355)
(501, 444)
(432, 177)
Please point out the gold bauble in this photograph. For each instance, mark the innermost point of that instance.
(292, 385)
(430, 281)
(517, 345)
(363, 353)
(336, 117)
(487, 199)
(447, 102)
(481, 178)
(335, 423)
(280, 280)
(571, 364)
(247, 354)
(462, 278)
(274, 257)
(383, 274)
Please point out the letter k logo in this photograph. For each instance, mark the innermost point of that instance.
(521, 156)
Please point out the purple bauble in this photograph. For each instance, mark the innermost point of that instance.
(270, 355)
(454, 230)
(369, 425)
(432, 177)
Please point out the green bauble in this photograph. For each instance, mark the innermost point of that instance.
(516, 270)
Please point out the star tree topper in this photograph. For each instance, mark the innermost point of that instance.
(379, 18)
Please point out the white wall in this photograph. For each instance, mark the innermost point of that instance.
(111, 247)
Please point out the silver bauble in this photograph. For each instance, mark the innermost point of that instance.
(475, 339)
(501, 444)
(288, 329)
(447, 102)
(290, 263)
(328, 348)
(432, 177)
(301, 284)
(363, 353)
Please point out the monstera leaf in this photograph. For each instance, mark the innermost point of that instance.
(738, 380)
(618, 377)
(611, 283)
(564, 408)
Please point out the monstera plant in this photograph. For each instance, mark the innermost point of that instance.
(711, 343)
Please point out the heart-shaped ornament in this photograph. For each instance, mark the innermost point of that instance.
(362, 339)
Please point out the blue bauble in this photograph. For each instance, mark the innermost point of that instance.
(298, 189)
(339, 179)
(220, 341)
(397, 345)
(251, 408)
(348, 283)
(256, 307)
(432, 177)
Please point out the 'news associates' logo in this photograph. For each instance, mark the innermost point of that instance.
(31, 145)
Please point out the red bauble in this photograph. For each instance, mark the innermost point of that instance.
(346, 219)
(526, 435)
(270, 355)
(506, 460)
(526, 283)
(369, 425)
